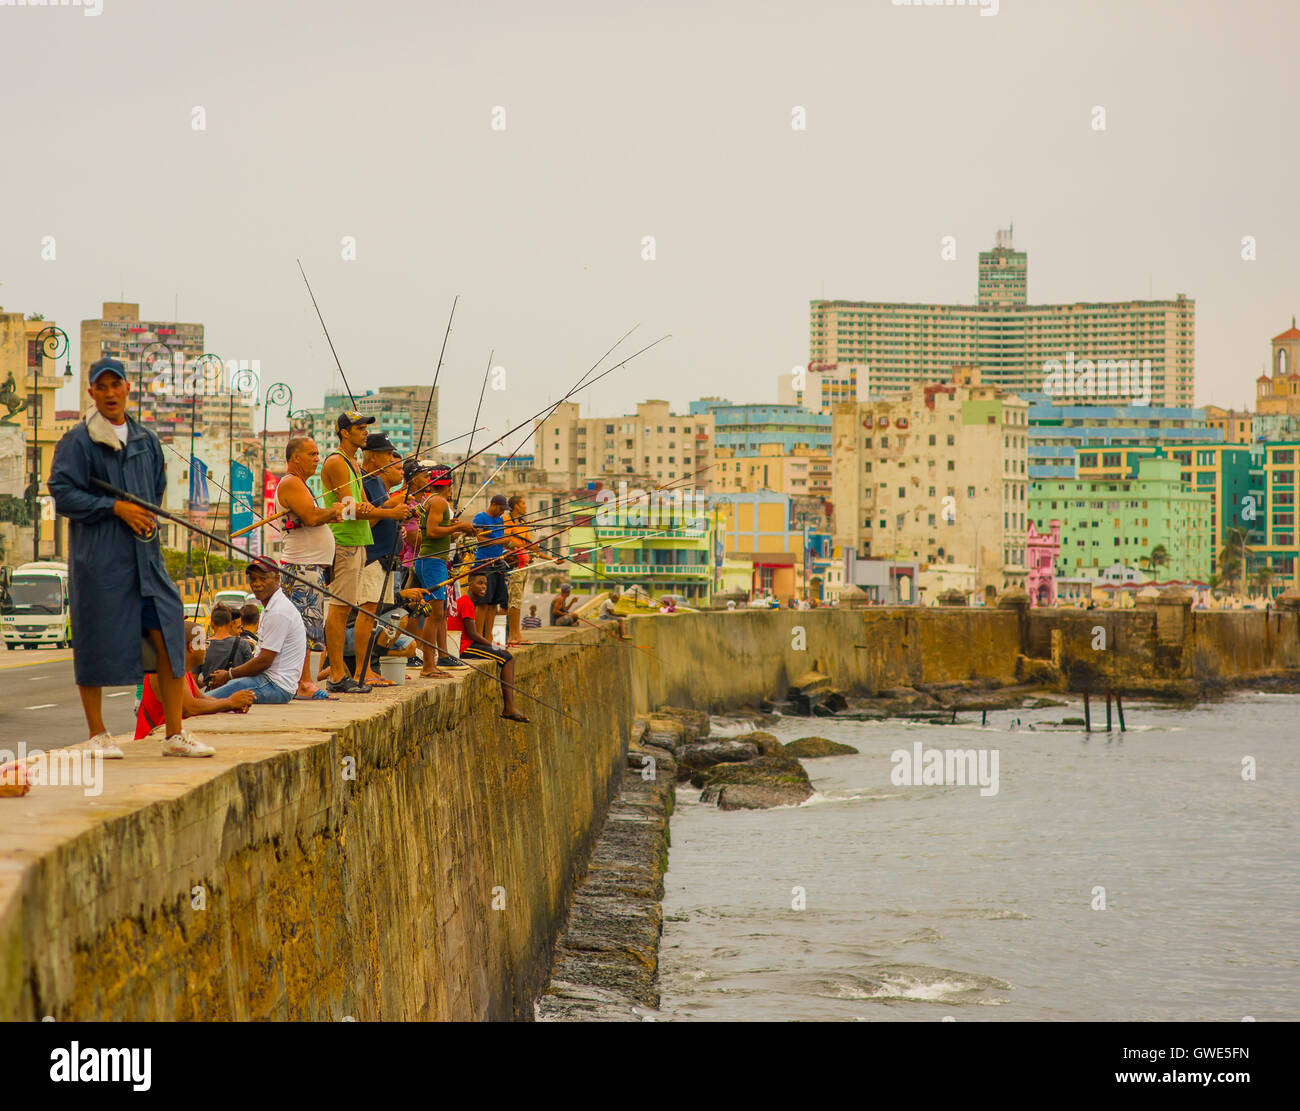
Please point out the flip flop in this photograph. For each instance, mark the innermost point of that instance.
(378, 682)
(318, 696)
(517, 717)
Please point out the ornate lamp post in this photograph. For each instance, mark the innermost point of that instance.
(171, 358)
(199, 385)
(51, 343)
(277, 393)
(242, 382)
(305, 420)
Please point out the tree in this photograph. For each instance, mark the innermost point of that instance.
(1158, 557)
(1264, 579)
(1235, 557)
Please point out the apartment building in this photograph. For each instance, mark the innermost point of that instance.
(1011, 340)
(936, 475)
(652, 446)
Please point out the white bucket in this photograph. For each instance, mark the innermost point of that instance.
(393, 667)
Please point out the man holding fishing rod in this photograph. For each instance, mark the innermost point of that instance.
(126, 612)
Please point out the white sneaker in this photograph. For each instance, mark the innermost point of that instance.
(103, 744)
(185, 744)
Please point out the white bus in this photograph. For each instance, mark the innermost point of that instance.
(35, 609)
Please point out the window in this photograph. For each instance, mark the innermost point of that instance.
(932, 439)
(951, 439)
(970, 491)
(951, 465)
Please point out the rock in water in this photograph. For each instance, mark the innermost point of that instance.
(696, 722)
(739, 796)
(770, 781)
(766, 743)
(809, 748)
(704, 754)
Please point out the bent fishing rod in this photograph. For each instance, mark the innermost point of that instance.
(165, 514)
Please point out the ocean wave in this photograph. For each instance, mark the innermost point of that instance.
(914, 983)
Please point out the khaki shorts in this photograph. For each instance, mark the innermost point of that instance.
(349, 563)
(516, 581)
(372, 584)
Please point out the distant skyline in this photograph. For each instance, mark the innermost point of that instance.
(674, 121)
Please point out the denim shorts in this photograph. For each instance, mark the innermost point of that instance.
(431, 571)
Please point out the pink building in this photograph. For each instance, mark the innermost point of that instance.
(1041, 550)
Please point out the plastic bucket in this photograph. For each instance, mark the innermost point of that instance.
(394, 668)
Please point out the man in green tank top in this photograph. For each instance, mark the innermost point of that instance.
(341, 478)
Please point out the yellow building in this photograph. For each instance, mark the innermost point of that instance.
(795, 473)
(30, 375)
(653, 445)
(937, 475)
(1237, 426)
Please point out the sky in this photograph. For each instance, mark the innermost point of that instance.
(667, 120)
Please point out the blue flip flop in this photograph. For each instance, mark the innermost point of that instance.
(319, 696)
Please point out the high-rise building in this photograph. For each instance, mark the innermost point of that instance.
(652, 445)
(1012, 341)
(748, 430)
(938, 475)
(168, 376)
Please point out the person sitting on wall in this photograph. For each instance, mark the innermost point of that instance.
(560, 606)
(193, 702)
(273, 674)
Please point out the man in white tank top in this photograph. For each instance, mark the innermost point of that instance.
(308, 549)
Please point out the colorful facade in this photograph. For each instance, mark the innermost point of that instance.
(1041, 552)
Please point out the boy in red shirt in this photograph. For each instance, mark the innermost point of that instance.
(474, 645)
(193, 702)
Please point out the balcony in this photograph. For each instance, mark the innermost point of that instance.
(666, 570)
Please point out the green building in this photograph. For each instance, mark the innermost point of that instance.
(1123, 518)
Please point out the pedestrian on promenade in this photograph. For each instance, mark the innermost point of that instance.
(475, 646)
(274, 673)
(127, 617)
(561, 604)
(352, 536)
(532, 621)
(194, 703)
(437, 528)
(607, 611)
(225, 650)
(381, 462)
(491, 547)
(308, 550)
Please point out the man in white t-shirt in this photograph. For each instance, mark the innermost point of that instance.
(273, 673)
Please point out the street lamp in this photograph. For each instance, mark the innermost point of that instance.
(306, 422)
(277, 393)
(242, 382)
(171, 358)
(197, 386)
(51, 343)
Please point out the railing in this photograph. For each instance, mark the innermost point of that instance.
(618, 570)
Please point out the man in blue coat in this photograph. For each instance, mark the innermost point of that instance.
(124, 606)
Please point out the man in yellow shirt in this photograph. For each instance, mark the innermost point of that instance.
(519, 539)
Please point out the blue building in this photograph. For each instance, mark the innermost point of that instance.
(746, 428)
(1058, 432)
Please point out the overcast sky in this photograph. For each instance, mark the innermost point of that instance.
(671, 120)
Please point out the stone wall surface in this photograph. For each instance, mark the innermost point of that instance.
(325, 896)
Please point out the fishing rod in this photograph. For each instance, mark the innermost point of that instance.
(364, 669)
(554, 409)
(368, 474)
(159, 511)
(586, 385)
(351, 396)
(419, 443)
(482, 390)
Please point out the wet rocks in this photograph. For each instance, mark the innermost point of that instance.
(704, 754)
(766, 743)
(810, 748)
(777, 780)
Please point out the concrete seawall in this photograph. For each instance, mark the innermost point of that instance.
(431, 886)
(410, 856)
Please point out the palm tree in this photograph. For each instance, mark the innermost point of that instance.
(1264, 579)
(1233, 560)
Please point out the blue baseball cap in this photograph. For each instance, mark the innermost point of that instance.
(104, 365)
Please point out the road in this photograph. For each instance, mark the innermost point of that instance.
(39, 703)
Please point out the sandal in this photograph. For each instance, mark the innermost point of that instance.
(378, 681)
(317, 695)
(517, 717)
(434, 675)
